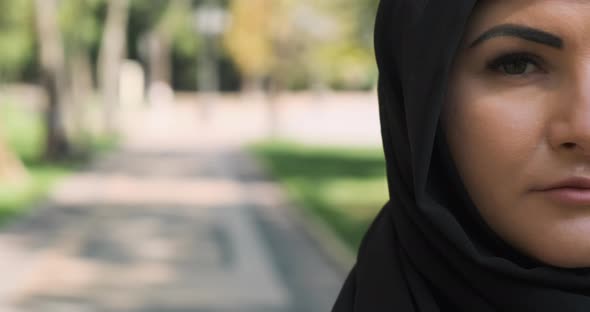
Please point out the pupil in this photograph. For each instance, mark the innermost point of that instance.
(516, 67)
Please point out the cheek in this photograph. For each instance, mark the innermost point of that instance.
(498, 142)
(494, 136)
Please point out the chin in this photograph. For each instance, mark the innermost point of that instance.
(566, 262)
(573, 254)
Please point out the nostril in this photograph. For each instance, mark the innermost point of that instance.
(569, 145)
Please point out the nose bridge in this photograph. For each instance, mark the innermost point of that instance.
(570, 117)
(579, 113)
(573, 129)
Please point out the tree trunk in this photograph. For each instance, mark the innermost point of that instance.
(208, 76)
(82, 86)
(159, 59)
(53, 76)
(252, 84)
(276, 86)
(111, 56)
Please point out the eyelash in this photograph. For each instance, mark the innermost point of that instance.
(496, 64)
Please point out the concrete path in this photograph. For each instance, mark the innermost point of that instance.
(173, 222)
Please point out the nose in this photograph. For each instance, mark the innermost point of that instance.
(570, 130)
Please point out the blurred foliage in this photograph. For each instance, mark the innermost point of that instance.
(344, 187)
(144, 15)
(23, 130)
(305, 42)
(310, 42)
(80, 22)
(177, 24)
(25, 135)
(16, 37)
(16, 199)
(249, 38)
(344, 54)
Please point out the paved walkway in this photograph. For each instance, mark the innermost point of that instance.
(171, 222)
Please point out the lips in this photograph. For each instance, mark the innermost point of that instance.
(571, 191)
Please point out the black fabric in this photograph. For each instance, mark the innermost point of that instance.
(428, 249)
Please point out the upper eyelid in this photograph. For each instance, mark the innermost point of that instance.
(537, 60)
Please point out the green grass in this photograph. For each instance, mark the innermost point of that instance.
(345, 187)
(25, 134)
(23, 131)
(15, 199)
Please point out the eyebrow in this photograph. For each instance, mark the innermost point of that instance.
(520, 31)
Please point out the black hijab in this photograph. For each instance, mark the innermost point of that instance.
(428, 249)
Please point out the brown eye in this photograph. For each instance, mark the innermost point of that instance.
(518, 67)
(514, 64)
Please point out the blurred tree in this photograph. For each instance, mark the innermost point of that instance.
(152, 45)
(162, 35)
(179, 23)
(303, 43)
(80, 26)
(341, 33)
(171, 30)
(16, 37)
(312, 29)
(249, 40)
(53, 75)
(112, 53)
(352, 61)
(169, 25)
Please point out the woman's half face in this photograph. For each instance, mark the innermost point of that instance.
(517, 119)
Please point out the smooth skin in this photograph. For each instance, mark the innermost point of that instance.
(517, 119)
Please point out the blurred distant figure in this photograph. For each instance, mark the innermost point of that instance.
(132, 83)
(160, 95)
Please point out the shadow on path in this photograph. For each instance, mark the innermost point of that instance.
(165, 230)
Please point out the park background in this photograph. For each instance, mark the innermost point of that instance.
(185, 155)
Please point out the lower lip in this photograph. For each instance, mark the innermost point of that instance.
(571, 196)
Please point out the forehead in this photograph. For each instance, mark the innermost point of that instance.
(570, 19)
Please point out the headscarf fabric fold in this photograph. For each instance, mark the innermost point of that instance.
(428, 249)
